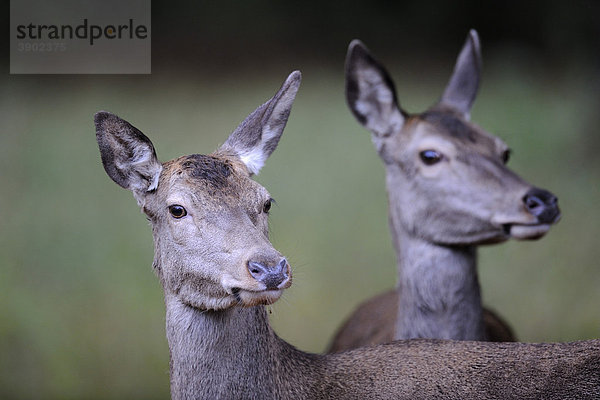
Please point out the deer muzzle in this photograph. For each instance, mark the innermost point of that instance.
(274, 277)
(543, 205)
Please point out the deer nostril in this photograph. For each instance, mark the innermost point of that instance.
(542, 204)
(272, 276)
(283, 266)
(533, 203)
(257, 270)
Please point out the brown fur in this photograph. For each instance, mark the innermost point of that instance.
(370, 324)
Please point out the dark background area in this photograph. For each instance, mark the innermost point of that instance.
(220, 35)
(551, 31)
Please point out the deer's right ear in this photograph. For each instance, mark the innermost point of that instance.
(464, 82)
(370, 92)
(127, 154)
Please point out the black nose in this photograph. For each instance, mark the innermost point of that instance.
(271, 276)
(542, 204)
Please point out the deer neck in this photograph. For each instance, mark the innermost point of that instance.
(438, 289)
(227, 354)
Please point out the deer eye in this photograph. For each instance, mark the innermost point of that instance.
(177, 211)
(430, 157)
(267, 206)
(506, 155)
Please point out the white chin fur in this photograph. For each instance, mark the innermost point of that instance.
(265, 297)
(528, 232)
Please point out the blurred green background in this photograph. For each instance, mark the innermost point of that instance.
(81, 313)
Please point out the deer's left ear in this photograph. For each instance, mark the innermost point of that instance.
(464, 82)
(370, 93)
(257, 136)
(127, 154)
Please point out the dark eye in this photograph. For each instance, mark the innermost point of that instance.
(430, 157)
(267, 206)
(177, 211)
(506, 155)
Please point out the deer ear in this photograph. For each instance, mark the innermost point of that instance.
(258, 135)
(370, 92)
(127, 154)
(464, 82)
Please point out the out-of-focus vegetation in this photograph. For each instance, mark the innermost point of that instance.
(81, 314)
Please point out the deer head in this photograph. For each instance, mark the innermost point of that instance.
(208, 217)
(447, 177)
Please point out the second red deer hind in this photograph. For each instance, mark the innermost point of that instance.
(449, 191)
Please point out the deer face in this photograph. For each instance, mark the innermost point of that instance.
(446, 177)
(210, 226)
(209, 218)
(448, 183)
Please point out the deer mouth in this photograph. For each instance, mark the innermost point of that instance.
(250, 298)
(526, 231)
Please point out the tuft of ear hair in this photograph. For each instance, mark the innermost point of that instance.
(128, 156)
(257, 136)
